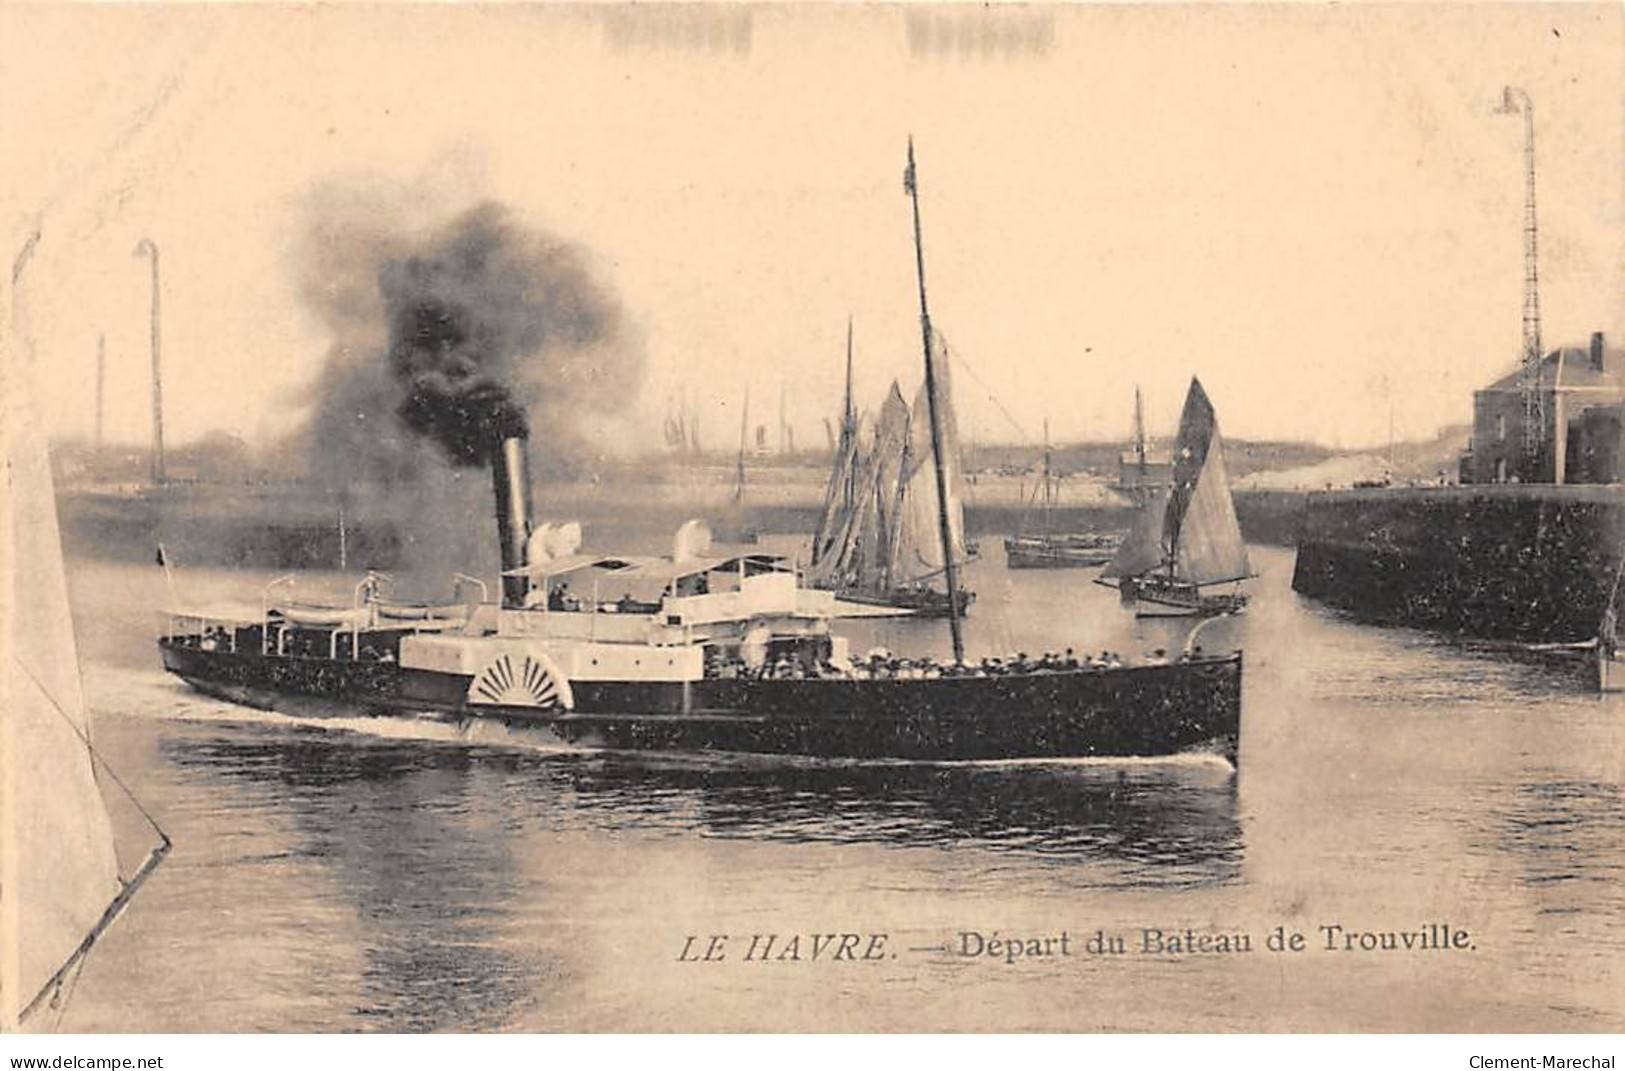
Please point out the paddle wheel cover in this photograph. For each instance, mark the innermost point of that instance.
(520, 679)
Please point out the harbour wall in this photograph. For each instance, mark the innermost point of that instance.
(233, 527)
(1505, 561)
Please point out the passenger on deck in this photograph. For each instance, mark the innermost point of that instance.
(1159, 657)
(556, 597)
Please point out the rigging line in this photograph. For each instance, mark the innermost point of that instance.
(97, 755)
(109, 916)
(966, 365)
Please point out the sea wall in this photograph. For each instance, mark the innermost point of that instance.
(224, 526)
(1528, 563)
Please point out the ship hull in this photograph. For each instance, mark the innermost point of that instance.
(1138, 711)
(1528, 563)
(925, 602)
(1154, 597)
(1038, 553)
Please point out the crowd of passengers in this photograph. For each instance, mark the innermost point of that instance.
(880, 665)
(300, 643)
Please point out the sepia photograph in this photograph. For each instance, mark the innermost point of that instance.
(738, 518)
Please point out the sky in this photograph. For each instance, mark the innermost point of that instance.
(1316, 210)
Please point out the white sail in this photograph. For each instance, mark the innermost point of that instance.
(917, 549)
(860, 554)
(1188, 529)
(58, 869)
(1210, 548)
(840, 496)
(1142, 550)
(1200, 529)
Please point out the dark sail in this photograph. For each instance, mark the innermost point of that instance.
(1189, 530)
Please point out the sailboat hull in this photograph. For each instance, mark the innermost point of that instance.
(1059, 552)
(926, 602)
(1157, 597)
(1081, 713)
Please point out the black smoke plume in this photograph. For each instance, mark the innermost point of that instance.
(458, 335)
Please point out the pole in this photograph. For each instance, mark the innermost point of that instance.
(148, 247)
(950, 567)
(744, 433)
(1048, 496)
(849, 427)
(1515, 100)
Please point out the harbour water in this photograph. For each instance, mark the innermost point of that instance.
(379, 874)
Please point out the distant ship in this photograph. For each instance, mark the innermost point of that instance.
(1185, 537)
(1042, 547)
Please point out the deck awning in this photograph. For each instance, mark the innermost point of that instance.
(220, 613)
(572, 563)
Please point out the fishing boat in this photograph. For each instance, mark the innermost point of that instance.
(695, 651)
(892, 531)
(1046, 548)
(1185, 539)
(61, 885)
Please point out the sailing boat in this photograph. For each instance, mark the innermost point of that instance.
(1047, 548)
(878, 541)
(60, 884)
(1185, 536)
(841, 495)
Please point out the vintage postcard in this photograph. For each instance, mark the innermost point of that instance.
(813, 517)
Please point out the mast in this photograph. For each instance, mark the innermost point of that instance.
(1049, 500)
(744, 430)
(1139, 433)
(950, 568)
(849, 424)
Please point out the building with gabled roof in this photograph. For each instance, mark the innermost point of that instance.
(1583, 396)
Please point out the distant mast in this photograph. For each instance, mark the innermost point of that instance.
(1139, 434)
(744, 433)
(1049, 497)
(849, 425)
(950, 568)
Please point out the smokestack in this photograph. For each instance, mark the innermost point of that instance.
(510, 475)
(1596, 350)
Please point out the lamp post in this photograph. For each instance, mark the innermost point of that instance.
(148, 248)
(1515, 101)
